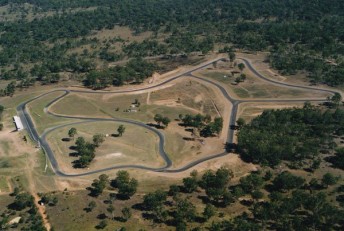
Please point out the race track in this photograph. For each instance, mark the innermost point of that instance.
(29, 125)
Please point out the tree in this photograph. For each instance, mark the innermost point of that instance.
(184, 211)
(158, 119)
(23, 200)
(240, 122)
(328, 179)
(215, 183)
(209, 211)
(91, 206)
(231, 56)
(111, 209)
(251, 182)
(102, 224)
(126, 186)
(190, 184)
(315, 163)
(126, 213)
(256, 195)
(72, 132)
(99, 185)
(336, 99)
(174, 190)
(153, 200)
(241, 66)
(86, 151)
(287, 181)
(121, 130)
(98, 139)
(217, 125)
(2, 108)
(1, 126)
(165, 121)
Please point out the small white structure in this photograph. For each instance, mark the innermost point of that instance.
(18, 123)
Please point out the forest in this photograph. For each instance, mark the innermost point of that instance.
(300, 35)
(296, 135)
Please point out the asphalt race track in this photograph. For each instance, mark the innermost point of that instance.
(29, 125)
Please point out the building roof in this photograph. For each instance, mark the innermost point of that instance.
(18, 123)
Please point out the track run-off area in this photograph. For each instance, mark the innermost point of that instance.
(42, 142)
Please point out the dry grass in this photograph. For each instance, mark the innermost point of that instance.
(253, 87)
(136, 146)
(248, 111)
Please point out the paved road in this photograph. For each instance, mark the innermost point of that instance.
(29, 125)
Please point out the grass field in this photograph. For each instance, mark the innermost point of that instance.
(42, 120)
(254, 87)
(248, 111)
(182, 151)
(3, 185)
(136, 146)
(194, 98)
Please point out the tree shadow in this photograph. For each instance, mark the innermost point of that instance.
(73, 154)
(101, 216)
(115, 135)
(87, 210)
(247, 203)
(188, 138)
(230, 147)
(204, 199)
(73, 147)
(120, 219)
(334, 160)
(157, 126)
(148, 216)
(138, 206)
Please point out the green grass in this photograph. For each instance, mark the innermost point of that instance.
(42, 120)
(4, 184)
(5, 163)
(5, 147)
(219, 76)
(256, 88)
(260, 93)
(95, 106)
(242, 93)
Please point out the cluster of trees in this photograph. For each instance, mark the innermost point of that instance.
(338, 159)
(85, 149)
(48, 199)
(204, 124)
(9, 89)
(215, 185)
(136, 70)
(126, 186)
(293, 135)
(276, 201)
(30, 218)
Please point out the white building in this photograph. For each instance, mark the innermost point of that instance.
(18, 123)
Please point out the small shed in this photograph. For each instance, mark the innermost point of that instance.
(18, 123)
